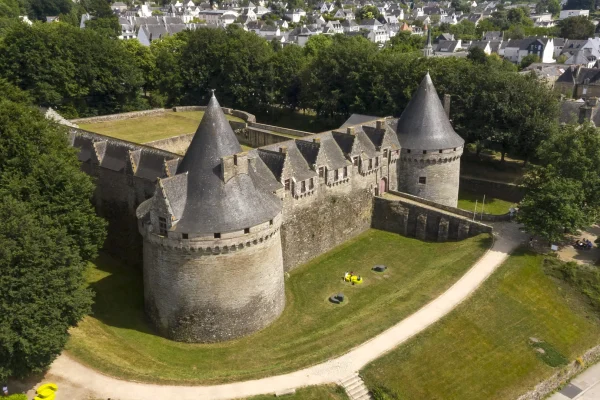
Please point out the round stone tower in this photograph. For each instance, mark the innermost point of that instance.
(213, 267)
(430, 152)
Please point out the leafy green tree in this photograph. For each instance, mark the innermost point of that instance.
(288, 66)
(562, 58)
(576, 28)
(563, 189)
(405, 42)
(528, 60)
(316, 44)
(465, 29)
(9, 9)
(167, 76)
(48, 233)
(581, 5)
(40, 9)
(477, 55)
(367, 12)
(551, 6)
(75, 70)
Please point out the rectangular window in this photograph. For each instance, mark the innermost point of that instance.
(385, 153)
(335, 175)
(162, 226)
(408, 150)
(422, 180)
(424, 151)
(370, 163)
(376, 162)
(247, 230)
(355, 161)
(303, 186)
(271, 222)
(217, 236)
(345, 172)
(184, 235)
(440, 151)
(287, 184)
(311, 184)
(321, 172)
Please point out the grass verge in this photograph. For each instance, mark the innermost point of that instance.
(488, 347)
(152, 127)
(117, 340)
(467, 201)
(325, 392)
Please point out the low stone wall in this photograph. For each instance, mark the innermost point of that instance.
(422, 221)
(256, 137)
(499, 190)
(279, 129)
(236, 113)
(560, 378)
(176, 144)
(116, 117)
(454, 210)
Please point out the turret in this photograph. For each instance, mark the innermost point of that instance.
(430, 156)
(428, 50)
(213, 267)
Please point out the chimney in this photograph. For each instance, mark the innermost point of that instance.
(234, 165)
(585, 114)
(350, 130)
(381, 124)
(283, 149)
(447, 105)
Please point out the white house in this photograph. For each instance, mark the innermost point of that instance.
(370, 24)
(379, 35)
(516, 50)
(295, 15)
(573, 13)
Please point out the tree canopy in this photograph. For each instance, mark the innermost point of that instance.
(48, 233)
(576, 28)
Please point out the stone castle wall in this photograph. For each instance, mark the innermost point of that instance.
(234, 285)
(499, 190)
(417, 219)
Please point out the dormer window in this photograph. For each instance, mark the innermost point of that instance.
(162, 226)
(303, 186)
(355, 161)
(370, 163)
(321, 172)
(335, 175)
(311, 184)
(287, 184)
(385, 153)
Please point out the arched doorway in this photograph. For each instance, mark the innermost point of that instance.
(383, 186)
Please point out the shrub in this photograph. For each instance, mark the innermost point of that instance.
(383, 393)
(18, 396)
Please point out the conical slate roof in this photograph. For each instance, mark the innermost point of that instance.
(424, 125)
(211, 205)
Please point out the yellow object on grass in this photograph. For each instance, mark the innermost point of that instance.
(348, 277)
(46, 392)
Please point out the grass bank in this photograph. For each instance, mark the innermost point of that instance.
(511, 334)
(326, 392)
(117, 340)
(151, 127)
(468, 200)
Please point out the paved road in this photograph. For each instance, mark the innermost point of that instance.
(585, 386)
(74, 378)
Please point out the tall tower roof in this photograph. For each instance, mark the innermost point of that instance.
(213, 205)
(424, 124)
(428, 49)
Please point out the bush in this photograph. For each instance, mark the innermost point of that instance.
(18, 396)
(584, 279)
(383, 393)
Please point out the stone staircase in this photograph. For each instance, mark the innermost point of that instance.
(355, 388)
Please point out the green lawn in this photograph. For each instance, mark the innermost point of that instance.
(152, 127)
(117, 340)
(327, 392)
(482, 350)
(466, 201)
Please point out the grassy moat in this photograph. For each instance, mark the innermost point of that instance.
(118, 341)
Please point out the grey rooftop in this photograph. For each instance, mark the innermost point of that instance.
(423, 124)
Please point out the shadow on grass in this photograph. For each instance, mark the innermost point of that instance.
(119, 296)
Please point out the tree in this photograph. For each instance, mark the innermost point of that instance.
(581, 5)
(551, 6)
(477, 55)
(465, 29)
(48, 233)
(367, 12)
(562, 58)
(563, 190)
(576, 28)
(40, 9)
(405, 42)
(528, 60)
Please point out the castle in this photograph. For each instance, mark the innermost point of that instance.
(220, 226)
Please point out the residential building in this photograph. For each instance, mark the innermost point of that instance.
(573, 13)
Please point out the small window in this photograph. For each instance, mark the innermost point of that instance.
(355, 161)
(408, 150)
(246, 230)
(345, 172)
(217, 236)
(370, 163)
(424, 151)
(422, 180)
(336, 175)
(455, 149)
(376, 162)
(311, 184)
(184, 235)
(271, 222)
(440, 151)
(287, 184)
(162, 226)
(303, 186)
(385, 153)
(321, 172)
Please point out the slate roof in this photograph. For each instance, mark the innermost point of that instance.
(447, 46)
(211, 205)
(356, 119)
(572, 76)
(424, 124)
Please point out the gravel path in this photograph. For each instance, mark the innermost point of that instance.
(74, 379)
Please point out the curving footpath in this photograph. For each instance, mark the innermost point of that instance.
(78, 378)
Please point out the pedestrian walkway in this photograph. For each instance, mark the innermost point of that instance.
(70, 374)
(585, 386)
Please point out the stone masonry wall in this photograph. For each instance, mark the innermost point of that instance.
(499, 190)
(412, 219)
(195, 295)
